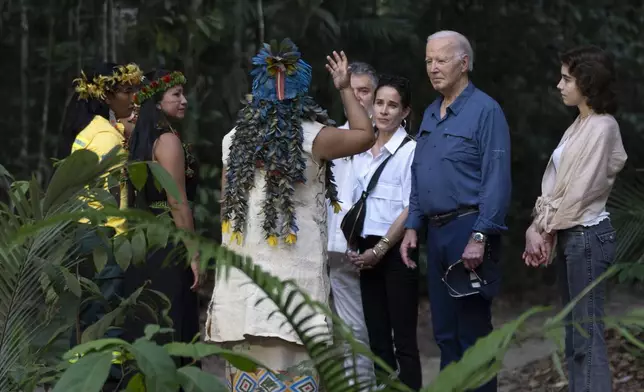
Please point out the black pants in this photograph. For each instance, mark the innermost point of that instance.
(390, 303)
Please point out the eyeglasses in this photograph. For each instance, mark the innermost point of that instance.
(475, 281)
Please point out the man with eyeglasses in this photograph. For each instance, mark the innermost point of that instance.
(460, 192)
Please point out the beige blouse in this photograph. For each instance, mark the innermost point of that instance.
(591, 158)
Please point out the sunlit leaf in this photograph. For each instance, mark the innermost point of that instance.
(138, 173)
(136, 384)
(86, 375)
(94, 346)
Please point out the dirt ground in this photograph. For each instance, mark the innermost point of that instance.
(527, 367)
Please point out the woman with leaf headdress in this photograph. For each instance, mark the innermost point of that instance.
(276, 182)
(102, 95)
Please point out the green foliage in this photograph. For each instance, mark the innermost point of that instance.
(627, 216)
(40, 288)
(515, 43)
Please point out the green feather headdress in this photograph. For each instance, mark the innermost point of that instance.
(269, 137)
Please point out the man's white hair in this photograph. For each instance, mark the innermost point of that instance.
(464, 46)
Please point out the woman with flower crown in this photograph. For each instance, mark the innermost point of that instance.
(276, 180)
(101, 97)
(162, 103)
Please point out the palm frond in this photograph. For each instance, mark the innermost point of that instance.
(299, 310)
(627, 215)
(34, 267)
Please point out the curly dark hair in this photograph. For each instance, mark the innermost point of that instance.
(400, 84)
(594, 72)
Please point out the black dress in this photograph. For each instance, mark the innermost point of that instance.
(167, 270)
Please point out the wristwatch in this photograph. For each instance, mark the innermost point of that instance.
(479, 237)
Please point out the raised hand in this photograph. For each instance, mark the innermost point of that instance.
(338, 67)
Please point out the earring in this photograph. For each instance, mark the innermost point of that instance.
(112, 117)
(403, 123)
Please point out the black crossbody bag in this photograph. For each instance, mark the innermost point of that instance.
(353, 221)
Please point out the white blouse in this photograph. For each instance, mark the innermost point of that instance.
(391, 194)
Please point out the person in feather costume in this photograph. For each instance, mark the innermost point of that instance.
(276, 184)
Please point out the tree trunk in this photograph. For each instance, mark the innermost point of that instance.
(24, 80)
(62, 137)
(113, 29)
(79, 41)
(104, 40)
(260, 20)
(43, 169)
(191, 73)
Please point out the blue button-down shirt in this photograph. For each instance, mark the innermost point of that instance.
(462, 160)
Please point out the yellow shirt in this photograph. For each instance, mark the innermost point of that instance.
(100, 137)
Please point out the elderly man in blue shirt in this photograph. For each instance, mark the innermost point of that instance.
(460, 192)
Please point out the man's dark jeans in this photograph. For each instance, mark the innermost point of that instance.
(457, 322)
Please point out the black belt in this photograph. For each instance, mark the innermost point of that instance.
(445, 218)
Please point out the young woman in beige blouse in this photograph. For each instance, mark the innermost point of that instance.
(570, 217)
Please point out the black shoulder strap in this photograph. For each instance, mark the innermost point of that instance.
(376, 174)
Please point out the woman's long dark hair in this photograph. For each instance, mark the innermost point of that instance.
(148, 128)
(149, 123)
(81, 112)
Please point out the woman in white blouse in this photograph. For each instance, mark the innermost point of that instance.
(570, 216)
(389, 288)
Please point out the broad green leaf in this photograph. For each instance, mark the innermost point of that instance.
(122, 252)
(193, 379)
(5, 173)
(86, 375)
(70, 176)
(97, 330)
(158, 235)
(90, 287)
(20, 188)
(153, 329)
(138, 173)
(94, 345)
(99, 255)
(203, 27)
(165, 180)
(72, 283)
(139, 247)
(136, 384)
(201, 350)
(157, 366)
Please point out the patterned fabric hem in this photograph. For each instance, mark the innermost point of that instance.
(265, 381)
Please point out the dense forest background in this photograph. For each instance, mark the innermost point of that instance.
(45, 43)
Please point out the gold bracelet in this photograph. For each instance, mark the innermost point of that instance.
(385, 240)
(383, 247)
(375, 253)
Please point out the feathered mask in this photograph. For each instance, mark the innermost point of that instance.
(279, 72)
